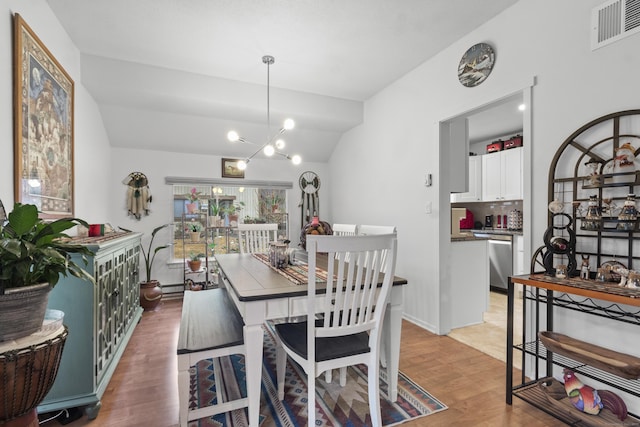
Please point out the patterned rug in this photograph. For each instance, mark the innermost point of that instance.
(335, 405)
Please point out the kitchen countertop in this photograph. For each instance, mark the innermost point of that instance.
(469, 235)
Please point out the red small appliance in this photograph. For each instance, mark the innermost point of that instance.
(466, 223)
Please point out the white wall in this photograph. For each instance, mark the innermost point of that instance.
(378, 168)
(92, 177)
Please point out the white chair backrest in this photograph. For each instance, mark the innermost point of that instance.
(368, 230)
(352, 289)
(255, 238)
(345, 229)
(372, 230)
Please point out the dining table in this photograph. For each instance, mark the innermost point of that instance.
(263, 293)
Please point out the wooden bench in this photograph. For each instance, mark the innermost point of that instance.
(211, 326)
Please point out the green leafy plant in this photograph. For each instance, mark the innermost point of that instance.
(194, 227)
(34, 251)
(234, 208)
(215, 209)
(195, 257)
(147, 254)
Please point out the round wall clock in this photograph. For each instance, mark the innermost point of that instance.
(476, 64)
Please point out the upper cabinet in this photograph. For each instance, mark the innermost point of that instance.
(502, 175)
(475, 183)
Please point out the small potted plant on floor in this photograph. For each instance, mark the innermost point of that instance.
(34, 254)
(150, 290)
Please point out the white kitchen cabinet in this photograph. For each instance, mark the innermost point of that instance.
(475, 183)
(502, 175)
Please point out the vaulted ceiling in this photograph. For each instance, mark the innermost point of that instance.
(176, 75)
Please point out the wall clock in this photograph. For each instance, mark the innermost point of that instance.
(476, 64)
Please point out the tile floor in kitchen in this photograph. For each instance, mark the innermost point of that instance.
(490, 337)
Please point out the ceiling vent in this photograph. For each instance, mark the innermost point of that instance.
(614, 20)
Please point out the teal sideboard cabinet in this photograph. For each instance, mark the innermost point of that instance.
(101, 320)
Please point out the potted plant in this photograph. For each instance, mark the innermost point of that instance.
(215, 214)
(33, 255)
(194, 261)
(232, 212)
(275, 201)
(194, 228)
(150, 290)
(193, 197)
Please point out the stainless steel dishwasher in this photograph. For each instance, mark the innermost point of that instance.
(500, 259)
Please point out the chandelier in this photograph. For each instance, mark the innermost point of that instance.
(272, 145)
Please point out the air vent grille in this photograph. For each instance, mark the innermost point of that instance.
(614, 20)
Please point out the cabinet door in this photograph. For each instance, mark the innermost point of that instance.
(475, 183)
(512, 174)
(492, 177)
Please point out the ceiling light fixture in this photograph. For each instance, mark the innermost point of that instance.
(269, 148)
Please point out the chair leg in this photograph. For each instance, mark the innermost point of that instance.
(183, 391)
(281, 365)
(343, 376)
(311, 399)
(374, 391)
(327, 375)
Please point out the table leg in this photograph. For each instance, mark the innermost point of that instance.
(393, 318)
(253, 339)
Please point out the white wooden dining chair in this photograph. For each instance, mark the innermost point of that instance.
(345, 229)
(349, 331)
(372, 230)
(255, 238)
(342, 230)
(368, 230)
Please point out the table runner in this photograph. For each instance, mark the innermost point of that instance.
(295, 273)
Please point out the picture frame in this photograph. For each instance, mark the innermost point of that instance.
(230, 168)
(43, 126)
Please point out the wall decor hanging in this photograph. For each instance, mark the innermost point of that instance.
(310, 201)
(138, 194)
(43, 126)
(230, 169)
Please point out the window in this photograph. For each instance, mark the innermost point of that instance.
(212, 210)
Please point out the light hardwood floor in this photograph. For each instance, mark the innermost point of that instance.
(143, 390)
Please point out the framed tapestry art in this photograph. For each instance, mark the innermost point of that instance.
(43, 127)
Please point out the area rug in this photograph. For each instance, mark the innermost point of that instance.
(335, 405)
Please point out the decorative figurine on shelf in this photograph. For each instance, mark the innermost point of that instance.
(633, 282)
(625, 158)
(583, 397)
(560, 245)
(623, 273)
(591, 401)
(628, 215)
(593, 169)
(584, 270)
(593, 218)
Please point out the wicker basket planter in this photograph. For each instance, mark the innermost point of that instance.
(22, 310)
